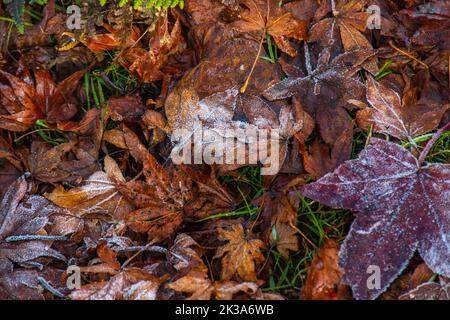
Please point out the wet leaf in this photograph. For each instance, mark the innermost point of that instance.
(27, 101)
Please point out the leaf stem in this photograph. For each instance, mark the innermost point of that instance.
(244, 87)
(430, 143)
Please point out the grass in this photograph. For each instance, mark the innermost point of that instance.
(273, 51)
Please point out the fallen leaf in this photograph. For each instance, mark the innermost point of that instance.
(154, 64)
(350, 18)
(131, 283)
(22, 218)
(390, 116)
(324, 280)
(268, 17)
(326, 91)
(240, 256)
(400, 206)
(197, 282)
(428, 291)
(28, 100)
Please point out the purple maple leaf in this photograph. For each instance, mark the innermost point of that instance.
(400, 207)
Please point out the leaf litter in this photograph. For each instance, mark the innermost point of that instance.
(88, 122)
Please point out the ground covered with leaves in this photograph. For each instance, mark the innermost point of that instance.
(360, 205)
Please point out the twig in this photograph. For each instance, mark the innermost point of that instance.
(28, 237)
(244, 87)
(408, 55)
(50, 288)
(431, 142)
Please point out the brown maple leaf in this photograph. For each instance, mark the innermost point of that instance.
(267, 17)
(390, 115)
(401, 206)
(98, 194)
(27, 100)
(350, 18)
(167, 194)
(196, 282)
(325, 92)
(324, 276)
(240, 256)
(154, 64)
(69, 162)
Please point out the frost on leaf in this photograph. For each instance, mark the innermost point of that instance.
(23, 216)
(325, 92)
(389, 114)
(400, 207)
(428, 291)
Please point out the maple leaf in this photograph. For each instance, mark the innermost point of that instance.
(98, 194)
(400, 206)
(325, 91)
(350, 18)
(154, 65)
(325, 276)
(196, 282)
(69, 162)
(174, 186)
(22, 219)
(27, 100)
(240, 256)
(390, 116)
(267, 17)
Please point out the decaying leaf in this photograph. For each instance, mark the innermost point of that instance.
(401, 206)
(129, 284)
(326, 91)
(279, 214)
(22, 219)
(324, 281)
(197, 282)
(428, 291)
(241, 256)
(174, 186)
(389, 115)
(268, 17)
(69, 162)
(350, 18)
(154, 64)
(28, 100)
(97, 195)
